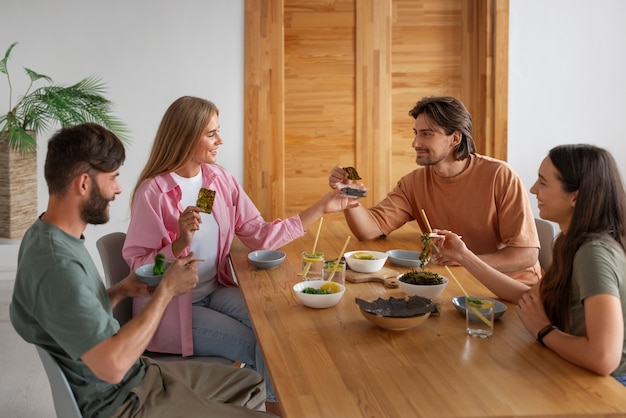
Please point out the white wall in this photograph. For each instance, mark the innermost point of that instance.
(567, 73)
(567, 79)
(148, 52)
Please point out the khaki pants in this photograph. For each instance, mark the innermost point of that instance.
(195, 389)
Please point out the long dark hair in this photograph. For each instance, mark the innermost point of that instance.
(600, 209)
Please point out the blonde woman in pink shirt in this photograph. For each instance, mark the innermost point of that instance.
(211, 320)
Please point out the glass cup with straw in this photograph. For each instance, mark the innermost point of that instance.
(313, 262)
(337, 266)
(471, 307)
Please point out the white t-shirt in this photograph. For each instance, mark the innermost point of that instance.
(204, 242)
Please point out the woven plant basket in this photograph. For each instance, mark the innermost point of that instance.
(18, 191)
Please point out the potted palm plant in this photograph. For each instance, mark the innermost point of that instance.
(37, 110)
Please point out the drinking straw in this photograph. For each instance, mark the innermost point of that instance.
(467, 297)
(336, 266)
(307, 266)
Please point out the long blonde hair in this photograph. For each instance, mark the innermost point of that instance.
(178, 134)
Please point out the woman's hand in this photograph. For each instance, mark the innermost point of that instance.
(447, 248)
(334, 201)
(532, 313)
(188, 223)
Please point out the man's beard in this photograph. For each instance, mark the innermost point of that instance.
(96, 210)
(424, 161)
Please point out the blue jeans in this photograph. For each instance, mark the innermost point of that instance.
(621, 378)
(221, 327)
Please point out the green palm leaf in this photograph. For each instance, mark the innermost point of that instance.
(46, 106)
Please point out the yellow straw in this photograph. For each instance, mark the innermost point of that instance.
(343, 250)
(307, 266)
(317, 236)
(467, 305)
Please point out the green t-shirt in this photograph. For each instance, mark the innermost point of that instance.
(60, 303)
(599, 268)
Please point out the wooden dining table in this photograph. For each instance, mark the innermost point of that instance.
(334, 363)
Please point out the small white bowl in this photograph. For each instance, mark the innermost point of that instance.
(145, 274)
(317, 301)
(363, 265)
(266, 259)
(426, 291)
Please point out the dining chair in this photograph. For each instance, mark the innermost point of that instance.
(545, 230)
(115, 270)
(64, 402)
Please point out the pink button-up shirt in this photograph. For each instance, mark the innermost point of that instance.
(153, 227)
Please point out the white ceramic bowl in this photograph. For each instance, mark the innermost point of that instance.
(427, 291)
(317, 301)
(266, 259)
(364, 265)
(145, 274)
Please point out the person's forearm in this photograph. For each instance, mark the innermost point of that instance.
(111, 359)
(311, 214)
(116, 293)
(499, 283)
(362, 224)
(511, 259)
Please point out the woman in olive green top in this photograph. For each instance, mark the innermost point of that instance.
(577, 309)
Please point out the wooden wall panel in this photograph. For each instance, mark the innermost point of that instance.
(331, 82)
(319, 96)
(264, 141)
(426, 61)
(373, 97)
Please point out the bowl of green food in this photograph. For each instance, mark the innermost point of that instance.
(422, 283)
(319, 294)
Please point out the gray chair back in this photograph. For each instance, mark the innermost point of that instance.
(545, 230)
(64, 402)
(115, 270)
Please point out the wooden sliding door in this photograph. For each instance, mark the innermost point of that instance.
(331, 83)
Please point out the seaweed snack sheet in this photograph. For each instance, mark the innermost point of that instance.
(205, 200)
(352, 173)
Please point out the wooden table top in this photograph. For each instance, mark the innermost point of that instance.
(334, 363)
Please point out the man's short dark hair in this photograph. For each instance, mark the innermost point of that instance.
(87, 148)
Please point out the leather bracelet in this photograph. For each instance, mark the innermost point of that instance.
(545, 331)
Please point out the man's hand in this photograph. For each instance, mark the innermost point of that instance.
(181, 276)
(338, 175)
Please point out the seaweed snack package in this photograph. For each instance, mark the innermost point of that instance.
(205, 200)
(352, 190)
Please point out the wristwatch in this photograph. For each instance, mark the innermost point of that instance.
(545, 331)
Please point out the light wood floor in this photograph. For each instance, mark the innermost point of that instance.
(24, 388)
